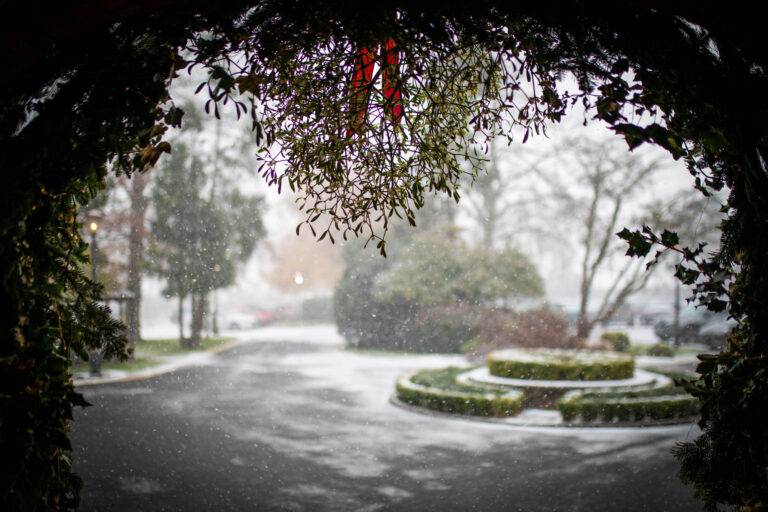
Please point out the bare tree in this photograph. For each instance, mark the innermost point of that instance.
(120, 212)
(135, 187)
(610, 178)
(696, 219)
(505, 200)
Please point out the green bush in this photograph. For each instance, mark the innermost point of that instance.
(654, 405)
(317, 309)
(369, 321)
(637, 393)
(440, 269)
(438, 390)
(439, 329)
(618, 340)
(560, 365)
(430, 295)
(363, 319)
(661, 350)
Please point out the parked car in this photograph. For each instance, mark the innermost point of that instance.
(696, 326)
(714, 333)
(235, 321)
(266, 317)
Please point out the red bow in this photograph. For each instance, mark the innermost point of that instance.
(362, 83)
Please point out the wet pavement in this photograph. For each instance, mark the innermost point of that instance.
(291, 422)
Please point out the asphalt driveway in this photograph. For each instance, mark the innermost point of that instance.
(291, 422)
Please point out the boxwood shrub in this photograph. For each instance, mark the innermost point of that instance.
(438, 390)
(661, 350)
(618, 340)
(560, 365)
(663, 404)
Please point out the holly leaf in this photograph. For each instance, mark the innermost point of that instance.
(638, 244)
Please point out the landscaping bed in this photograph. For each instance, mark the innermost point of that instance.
(668, 404)
(452, 390)
(438, 390)
(560, 365)
(579, 407)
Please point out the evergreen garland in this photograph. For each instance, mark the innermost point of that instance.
(96, 92)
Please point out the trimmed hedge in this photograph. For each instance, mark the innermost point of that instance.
(661, 350)
(456, 398)
(638, 393)
(560, 365)
(650, 405)
(618, 340)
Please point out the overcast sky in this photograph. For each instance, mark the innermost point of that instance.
(557, 263)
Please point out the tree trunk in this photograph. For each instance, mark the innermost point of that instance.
(489, 232)
(676, 321)
(584, 326)
(583, 323)
(181, 322)
(199, 306)
(215, 314)
(136, 254)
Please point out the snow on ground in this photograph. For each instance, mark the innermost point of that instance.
(321, 334)
(289, 420)
(639, 334)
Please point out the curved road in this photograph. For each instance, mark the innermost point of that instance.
(290, 422)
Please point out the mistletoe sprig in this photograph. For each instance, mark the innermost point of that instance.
(353, 173)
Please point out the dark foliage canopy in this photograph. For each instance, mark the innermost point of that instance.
(87, 83)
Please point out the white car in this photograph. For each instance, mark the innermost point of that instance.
(235, 321)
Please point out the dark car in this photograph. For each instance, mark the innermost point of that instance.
(696, 326)
(714, 332)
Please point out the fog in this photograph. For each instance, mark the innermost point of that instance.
(556, 255)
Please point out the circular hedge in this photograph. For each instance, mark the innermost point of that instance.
(545, 364)
(659, 405)
(437, 390)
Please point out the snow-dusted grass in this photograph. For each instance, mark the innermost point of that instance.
(444, 391)
(549, 364)
(132, 365)
(151, 356)
(171, 346)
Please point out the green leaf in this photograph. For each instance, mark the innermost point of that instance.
(638, 244)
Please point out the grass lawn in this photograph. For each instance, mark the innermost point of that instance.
(169, 347)
(149, 353)
(445, 379)
(132, 365)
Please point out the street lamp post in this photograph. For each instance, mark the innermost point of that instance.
(94, 357)
(93, 228)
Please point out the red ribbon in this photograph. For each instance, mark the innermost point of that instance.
(391, 80)
(360, 89)
(362, 84)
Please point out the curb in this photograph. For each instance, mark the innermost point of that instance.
(657, 427)
(160, 369)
